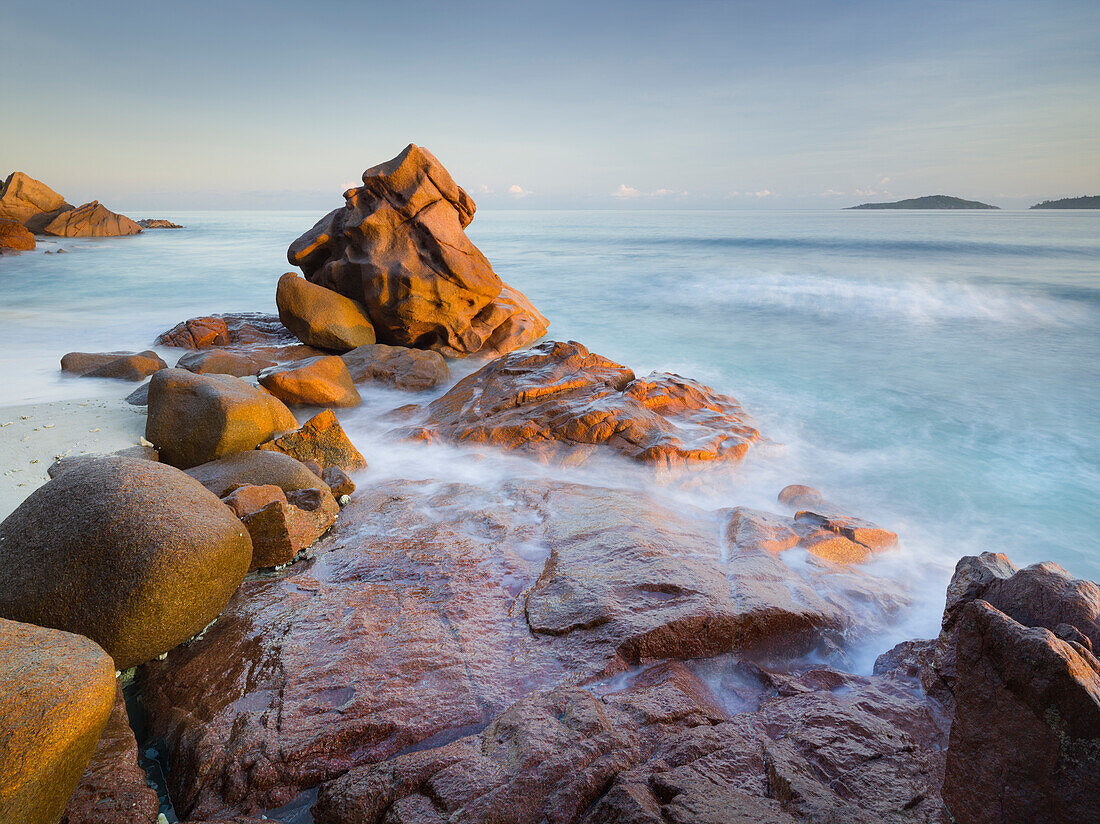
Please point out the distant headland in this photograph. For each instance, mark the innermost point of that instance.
(1087, 202)
(928, 202)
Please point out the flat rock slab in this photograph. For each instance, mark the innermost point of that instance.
(430, 607)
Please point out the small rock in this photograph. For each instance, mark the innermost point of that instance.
(321, 317)
(797, 496)
(129, 366)
(322, 440)
(411, 370)
(255, 467)
(221, 362)
(320, 381)
(281, 523)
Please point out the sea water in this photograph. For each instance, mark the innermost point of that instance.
(937, 372)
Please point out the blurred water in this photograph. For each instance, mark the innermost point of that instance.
(937, 372)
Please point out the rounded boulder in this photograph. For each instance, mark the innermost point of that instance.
(135, 555)
(321, 317)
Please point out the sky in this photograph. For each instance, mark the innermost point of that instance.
(594, 105)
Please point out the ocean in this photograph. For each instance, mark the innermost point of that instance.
(936, 372)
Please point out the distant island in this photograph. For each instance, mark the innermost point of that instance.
(1087, 202)
(928, 202)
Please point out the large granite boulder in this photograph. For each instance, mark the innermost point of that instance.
(198, 418)
(134, 554)
(91, 220)
(430, 607)
(321, 317)
(15, 237)
(1025, 740)
(320, 381)
(560, 402)
(56, 694)
(398, 247)
(127, 366)
(30, 202)
(412, 370)
(113, 789)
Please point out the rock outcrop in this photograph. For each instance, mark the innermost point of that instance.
(30, 202)
(157, 223)
(56, 693)
(398, 247)
(321, 440)
(252, 334)
(411, 370)
(91, 220)
(113, 789)
(320, 381)
(374, 645)
(15, 237)
(560, 402)
(127, 366)
(134, 554)
(321, 317)
(198, 418)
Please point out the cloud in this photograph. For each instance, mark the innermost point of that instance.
(831, 193)
(484, 190)
(625, 192)
(884, 181)
(515, 190)
(763, 193)
(868, 192)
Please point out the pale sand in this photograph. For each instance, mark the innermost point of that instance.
(32, 437)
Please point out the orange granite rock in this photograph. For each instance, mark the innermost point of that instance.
(91, 220)
(322, 440)
(320, 381)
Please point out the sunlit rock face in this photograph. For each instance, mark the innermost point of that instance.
(561, 403)
(398, 247)
(431, 607)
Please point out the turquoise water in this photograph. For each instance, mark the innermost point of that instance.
(938, 372)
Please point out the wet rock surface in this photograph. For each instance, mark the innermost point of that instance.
(398, 247)
(412, 370)
(559, 402)
(113, 789)
(452, 602)
(281, 524)
(56, 693)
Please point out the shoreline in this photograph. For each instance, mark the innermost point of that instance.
(33, 436)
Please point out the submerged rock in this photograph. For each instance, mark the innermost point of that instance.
(113, 789)
(91, 220)
(411, 624)
(30, 202)
(321, 317)
(134, 554)
(127, 366)
(560, 402)
(56, 694)
(412, 370)
(157, 223)
(398, 247)
(198, 418)
(320, 381)
(321, 440)
(15, 237)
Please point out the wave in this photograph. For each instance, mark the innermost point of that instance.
(914, 301)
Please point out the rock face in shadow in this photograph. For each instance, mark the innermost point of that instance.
(398, 247)
(91, 220)
(559, 402)
(56, 693)
(483, 600)
(412, 370)
(249, 334)
(113, 789)
(134, 554)
(30, 202)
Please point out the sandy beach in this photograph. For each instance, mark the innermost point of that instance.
(33, 436)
